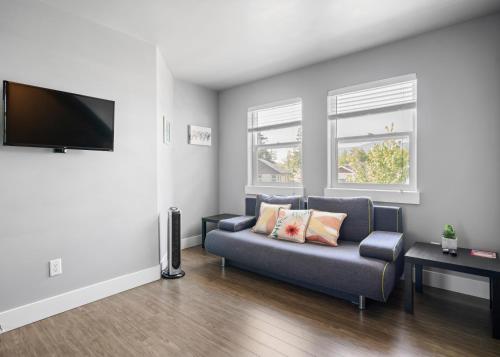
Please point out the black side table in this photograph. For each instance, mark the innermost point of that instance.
(425, 254)
(213, 219)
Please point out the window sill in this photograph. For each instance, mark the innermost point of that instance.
(274, 190)
(393, 196)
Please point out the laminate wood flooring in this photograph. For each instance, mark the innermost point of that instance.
(230, 312)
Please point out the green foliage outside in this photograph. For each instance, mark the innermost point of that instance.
(292, 163)
(386, 162)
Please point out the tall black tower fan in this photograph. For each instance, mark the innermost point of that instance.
(173, 269)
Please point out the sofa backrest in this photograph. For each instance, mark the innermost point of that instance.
(297, 202)
(388, 218)
(385, 218)
(359, 221)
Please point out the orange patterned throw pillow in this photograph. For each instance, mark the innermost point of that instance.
(267, 217)
(291, 225)
(324, 227)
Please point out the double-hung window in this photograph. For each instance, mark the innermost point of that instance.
(275, 148)
(372, 140)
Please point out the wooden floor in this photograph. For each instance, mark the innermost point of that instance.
(228, 312)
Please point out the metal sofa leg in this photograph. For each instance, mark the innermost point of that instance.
(222, 262)
(362, 302)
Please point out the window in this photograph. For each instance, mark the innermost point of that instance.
(275, 147)
(372, 143)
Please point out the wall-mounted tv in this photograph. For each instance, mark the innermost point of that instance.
(41, 117)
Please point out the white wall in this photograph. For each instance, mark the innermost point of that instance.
(165, 108)
(96, 210)
(165, 158)
(195, 169)
(458, 70)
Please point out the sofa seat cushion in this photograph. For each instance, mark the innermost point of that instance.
(359, 221)
(331, 268)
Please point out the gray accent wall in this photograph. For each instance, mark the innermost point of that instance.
(195, 168)
(458, 70)
(98, 211)
(95, 210)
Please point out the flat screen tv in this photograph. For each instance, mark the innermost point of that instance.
(41, 117)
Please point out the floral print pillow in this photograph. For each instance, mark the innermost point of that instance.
(267, 217)
(291, 225)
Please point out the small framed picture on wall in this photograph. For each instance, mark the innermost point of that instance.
(199, 135)
(166, 131)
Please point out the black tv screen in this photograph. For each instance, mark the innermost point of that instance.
(41, 117)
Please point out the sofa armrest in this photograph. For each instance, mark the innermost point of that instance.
(236, 224)
(382, 245)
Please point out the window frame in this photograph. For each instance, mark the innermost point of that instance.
(253, 185)
(399, 193)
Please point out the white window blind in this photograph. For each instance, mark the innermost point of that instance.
(281, 115)
(368, 99)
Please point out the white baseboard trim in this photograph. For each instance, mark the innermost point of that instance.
(189, 242)
(39, 310)
(459, 284)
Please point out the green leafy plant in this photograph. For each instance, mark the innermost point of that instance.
(449, 232)
(386, 162)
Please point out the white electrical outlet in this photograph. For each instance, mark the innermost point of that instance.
(55, 267)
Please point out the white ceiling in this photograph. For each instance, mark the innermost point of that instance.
(222, 43)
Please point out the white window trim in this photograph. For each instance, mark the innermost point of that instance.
(392, 196)
(275, 190)
(270, 188)
(408, 194)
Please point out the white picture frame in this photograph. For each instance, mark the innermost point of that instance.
(199, 135)
(167, 130)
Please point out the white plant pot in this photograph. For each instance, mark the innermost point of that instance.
(447, 243)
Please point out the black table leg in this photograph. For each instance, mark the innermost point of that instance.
(409, 288)
(491, 293)
(203, 232)
(418, 278)
(495, 305)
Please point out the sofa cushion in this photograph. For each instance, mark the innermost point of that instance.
(359, 221)
(296, 202)
(268, 216)
(324, 227)
(291, 225)
(388, 218)
(319, 266)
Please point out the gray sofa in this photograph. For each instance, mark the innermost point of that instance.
(366, 264)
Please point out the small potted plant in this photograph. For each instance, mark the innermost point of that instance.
(449, 240)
